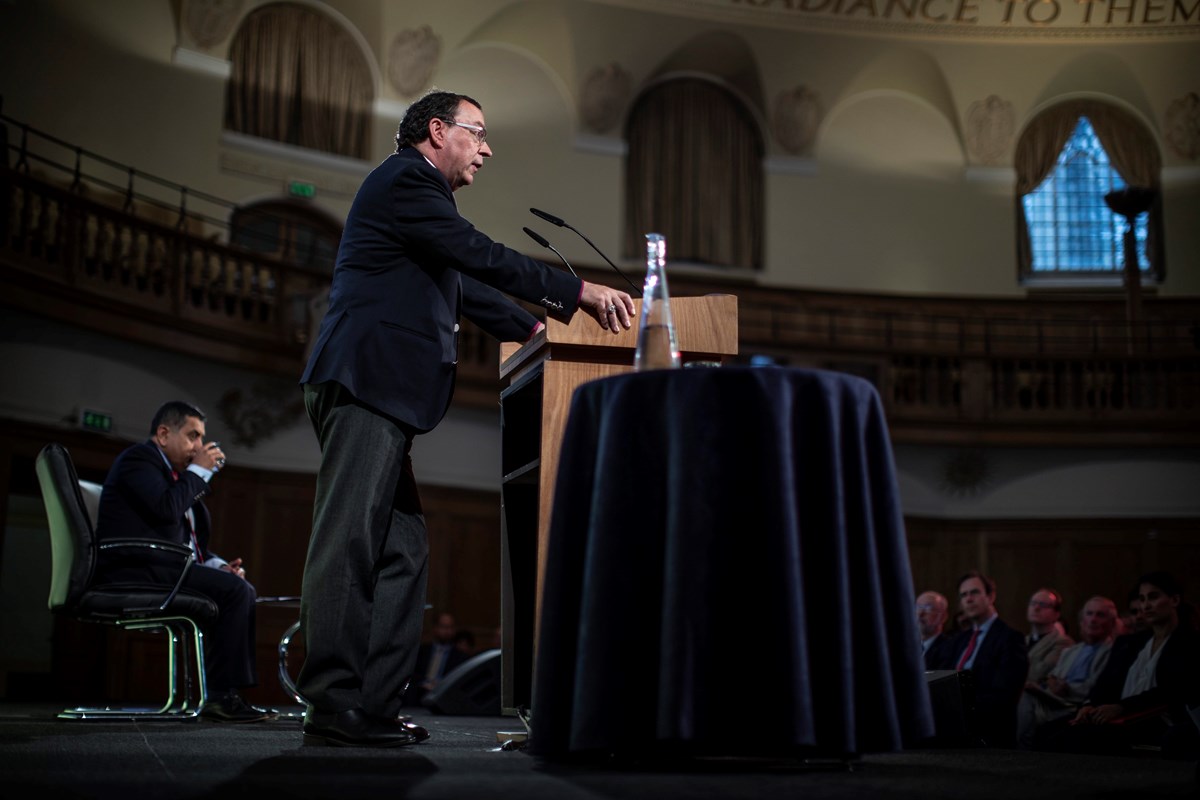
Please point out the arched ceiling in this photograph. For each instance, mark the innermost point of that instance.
(890, 132)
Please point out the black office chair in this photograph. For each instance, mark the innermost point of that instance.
(71, 508)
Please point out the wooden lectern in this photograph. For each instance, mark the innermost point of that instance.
(540, 377)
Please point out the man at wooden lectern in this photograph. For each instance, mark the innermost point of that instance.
(382, 371)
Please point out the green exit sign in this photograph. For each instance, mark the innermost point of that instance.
(302, 189)
(97, 421)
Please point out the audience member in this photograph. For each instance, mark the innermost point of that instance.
(995, 655)
(932, 610)
(464, 642)
(1132, 620)
(1143, 703)
(1047, 639)
(1062, 691)
(435, 659)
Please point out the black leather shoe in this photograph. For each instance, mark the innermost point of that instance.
(230, 707)
(354, 728)
(413, 728)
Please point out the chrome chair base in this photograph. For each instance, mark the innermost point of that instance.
(184, 700)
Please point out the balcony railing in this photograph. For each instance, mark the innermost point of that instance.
(69, 251)
(1071, 371)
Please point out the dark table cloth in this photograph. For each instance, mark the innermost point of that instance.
(727, 571)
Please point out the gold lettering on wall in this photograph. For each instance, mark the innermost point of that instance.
(1061, 17)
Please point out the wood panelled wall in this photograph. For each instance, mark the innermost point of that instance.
(1077, 557)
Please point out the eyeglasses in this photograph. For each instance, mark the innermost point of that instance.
(479, 132)
(1040, 604)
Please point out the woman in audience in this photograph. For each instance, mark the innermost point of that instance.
(1141, 700)
(1143, 697)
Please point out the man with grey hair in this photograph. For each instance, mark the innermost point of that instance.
(1067, 685)
(932, 610)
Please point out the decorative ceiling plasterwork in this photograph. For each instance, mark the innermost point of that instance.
(1183, 126)
(210, 22)
(412, 57)
(991, 124)
(966, 472)
(255, 415)
(1001, 20)
(796, 118)
(605, 95)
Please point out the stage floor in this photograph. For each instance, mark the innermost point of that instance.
(41, 756)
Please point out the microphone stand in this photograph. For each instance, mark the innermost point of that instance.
(546, 243)
(553, 220)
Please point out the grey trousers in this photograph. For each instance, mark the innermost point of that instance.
(363, 595)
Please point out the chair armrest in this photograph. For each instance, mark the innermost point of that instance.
(1129, 719)
(189, 558)
(149, 544)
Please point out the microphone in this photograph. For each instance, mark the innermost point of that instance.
(542, 241)
(553, 220)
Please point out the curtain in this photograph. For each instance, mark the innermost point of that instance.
(298, 77)
(1131, 150)
(694, 174)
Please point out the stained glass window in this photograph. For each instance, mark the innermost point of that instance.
(1071, 229)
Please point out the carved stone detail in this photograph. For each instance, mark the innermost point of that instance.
(1183, 126)
(412, 58)
(210, 22)
(991, 124)
(966, 472)
(606, 93)
(256, 415)
(797, 116)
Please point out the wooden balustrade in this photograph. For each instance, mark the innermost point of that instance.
(948, 369)
(1063, 391)
(56, 243)
(951, 370)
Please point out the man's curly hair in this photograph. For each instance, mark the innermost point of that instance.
(414, 128)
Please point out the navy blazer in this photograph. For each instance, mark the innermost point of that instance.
(409, 265)
(998, 674)
(141, 500)
(940, 655)
(1175, 676)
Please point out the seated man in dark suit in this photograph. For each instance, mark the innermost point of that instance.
(932, 610)
(435, 659)
(995, 655)
(154, 491)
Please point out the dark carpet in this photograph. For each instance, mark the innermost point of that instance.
(43, 757)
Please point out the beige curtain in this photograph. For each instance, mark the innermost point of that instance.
(694, 174)
(298, 77)
(1131, 150)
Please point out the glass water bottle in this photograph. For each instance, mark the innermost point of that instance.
(657, 347)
